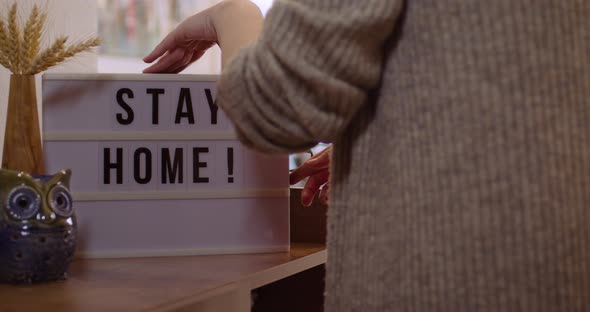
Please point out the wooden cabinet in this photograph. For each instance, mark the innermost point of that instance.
(195, 283)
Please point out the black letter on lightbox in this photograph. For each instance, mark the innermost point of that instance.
(155, 103)
(185, 97)
(171, 170)
(125, 106)
(137, 163)
(197, 165)
(212, 106)
(108, 165)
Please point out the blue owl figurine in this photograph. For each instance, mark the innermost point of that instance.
(37, 227)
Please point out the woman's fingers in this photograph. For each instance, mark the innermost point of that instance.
(192, 52)
(183, 63)
(318, 162)
(312, 186)
(195, 57)
(198, 49)
(167, 44)
(166, 61)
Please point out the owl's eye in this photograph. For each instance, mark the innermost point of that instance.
(23, 202)
(61, 201)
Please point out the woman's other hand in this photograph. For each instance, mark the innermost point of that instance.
(317, 168)
(232, 24)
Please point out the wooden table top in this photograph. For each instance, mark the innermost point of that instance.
(139, 284)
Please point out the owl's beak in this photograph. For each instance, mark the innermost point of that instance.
(46, 218)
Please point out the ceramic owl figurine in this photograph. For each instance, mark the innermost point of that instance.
(37, 226)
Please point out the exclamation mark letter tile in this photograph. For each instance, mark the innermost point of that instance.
(230, 164)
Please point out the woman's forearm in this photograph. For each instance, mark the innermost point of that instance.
(238, 23)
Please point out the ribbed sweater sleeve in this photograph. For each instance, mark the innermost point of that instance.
(310, 71)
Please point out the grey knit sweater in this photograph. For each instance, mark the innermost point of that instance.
(461, 130)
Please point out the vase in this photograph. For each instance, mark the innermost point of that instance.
(22, 139)
(38, 227)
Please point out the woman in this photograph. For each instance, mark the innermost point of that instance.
(460, 163)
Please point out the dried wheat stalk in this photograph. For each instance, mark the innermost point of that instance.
(19, 50)
(49, 56)
(4, 47)
(15, 40)
(30, 41)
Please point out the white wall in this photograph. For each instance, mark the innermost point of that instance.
(74, 18)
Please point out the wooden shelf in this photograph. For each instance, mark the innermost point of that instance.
(195, 283)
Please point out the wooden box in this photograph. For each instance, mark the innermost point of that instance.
(157, 168)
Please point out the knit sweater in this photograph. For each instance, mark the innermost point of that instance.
(460, 176)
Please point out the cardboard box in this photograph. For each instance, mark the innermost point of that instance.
(157, 168)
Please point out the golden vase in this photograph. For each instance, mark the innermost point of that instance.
(22, 139)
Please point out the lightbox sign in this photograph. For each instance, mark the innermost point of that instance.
(148, 143)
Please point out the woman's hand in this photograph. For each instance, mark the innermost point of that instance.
(232, 24)
(184, 45)
(317, 169)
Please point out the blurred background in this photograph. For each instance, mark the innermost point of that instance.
(131, 28)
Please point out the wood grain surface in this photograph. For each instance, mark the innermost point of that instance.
(196, 283)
